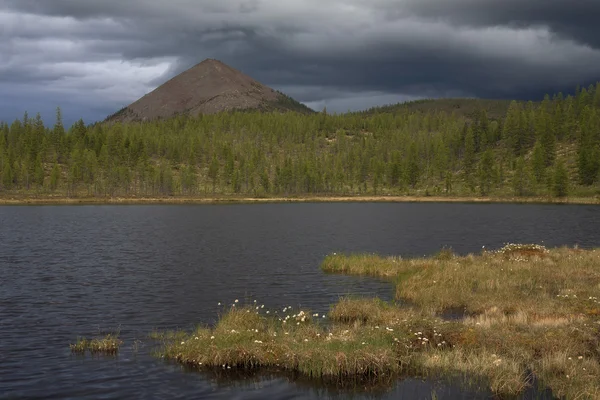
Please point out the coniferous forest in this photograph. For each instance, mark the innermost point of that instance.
(424, 148)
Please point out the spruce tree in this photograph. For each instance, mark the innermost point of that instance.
(548, 142)
(54, 177)
(538, 162)
(448, 182)
(486, 172)
(520, 181)
(588, 162)
(469, 158)
(513, 129)
(213, 173)
(25, 174)
(560, 179)
(7, 175)
(412, 167)
(39, 171)
(58, 134)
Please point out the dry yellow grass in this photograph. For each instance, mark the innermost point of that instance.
(533, 308)
(530, 312)
(505, 375)
(571, 376)
(358, 311)
(561, 283)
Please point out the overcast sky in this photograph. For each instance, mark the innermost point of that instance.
(93, 57)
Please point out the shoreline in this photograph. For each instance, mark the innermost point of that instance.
(474, 316)
(63, 200)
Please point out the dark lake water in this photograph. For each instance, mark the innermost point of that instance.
(68, 271)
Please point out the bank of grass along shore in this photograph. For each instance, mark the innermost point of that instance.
(33, 200)
(534, 309)
(528, 314)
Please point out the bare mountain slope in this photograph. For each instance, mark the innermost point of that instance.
(207, 88)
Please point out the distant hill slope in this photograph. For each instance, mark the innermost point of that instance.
(466, 107)
(207, 88)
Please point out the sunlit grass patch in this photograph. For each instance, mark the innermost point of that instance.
(371, 340)
(364, 264)
(109, 344)
(80, 346)
(505, 375)
(571, 375)
(525, 306)
(551, 285)
(367, 311)
(246, 340)
(493, 317)
(363, 339)
(519, 315)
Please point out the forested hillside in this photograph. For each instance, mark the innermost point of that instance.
(548, 148)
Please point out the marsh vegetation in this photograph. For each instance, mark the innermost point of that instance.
(107, 344)
(530, 314)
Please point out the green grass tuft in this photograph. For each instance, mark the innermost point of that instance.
(109, 344)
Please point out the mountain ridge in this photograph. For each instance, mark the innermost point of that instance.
(209, 87)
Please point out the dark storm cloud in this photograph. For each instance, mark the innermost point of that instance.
(339, 53)
(574, 19)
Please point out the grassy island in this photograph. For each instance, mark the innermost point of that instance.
(512, 317)
(108, 345)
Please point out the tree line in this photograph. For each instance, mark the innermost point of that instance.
(551, 147)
